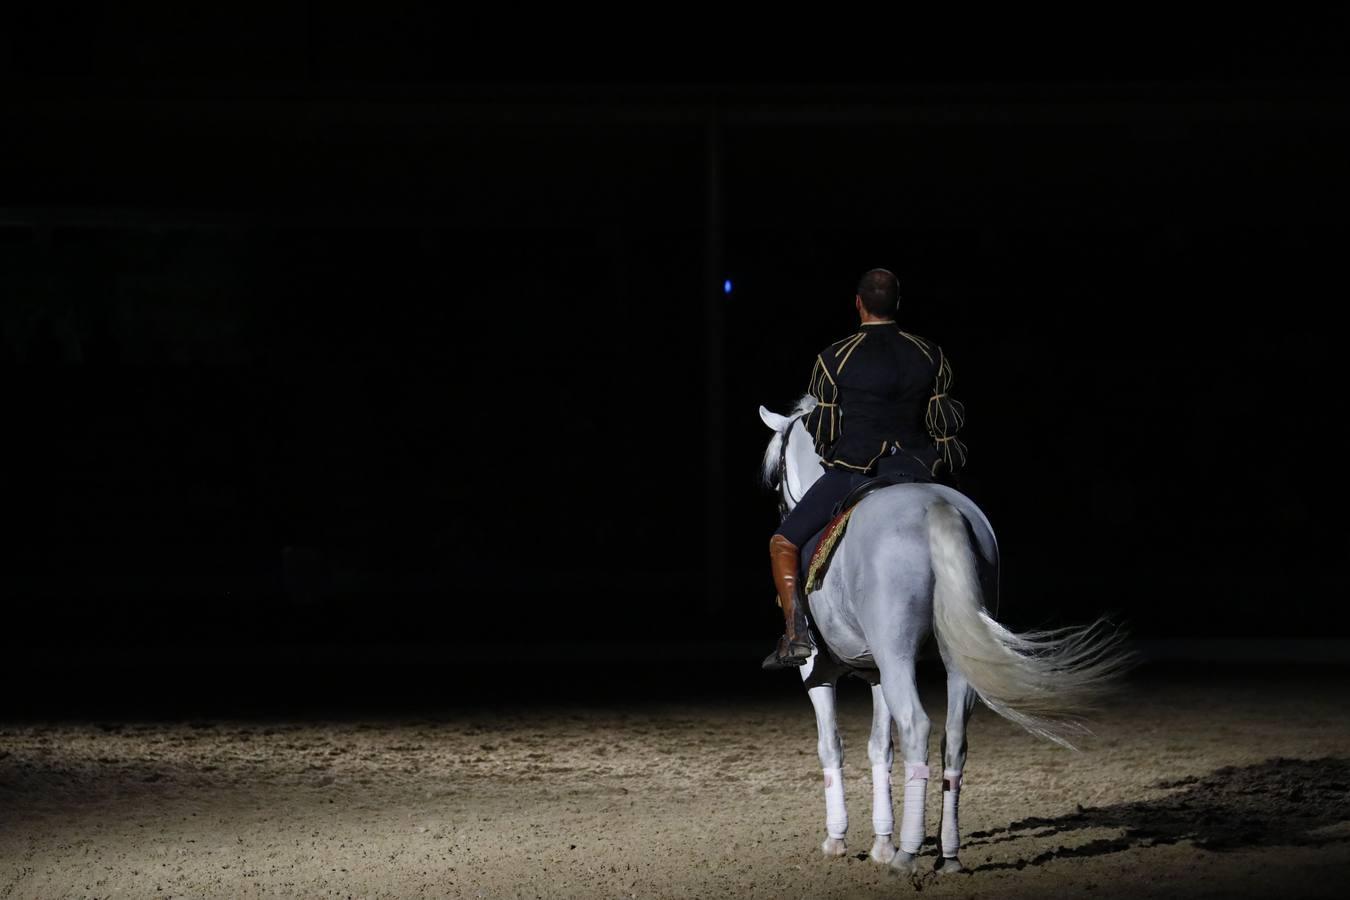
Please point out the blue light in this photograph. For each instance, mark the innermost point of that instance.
(726, 286)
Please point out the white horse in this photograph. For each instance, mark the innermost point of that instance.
(915, 559)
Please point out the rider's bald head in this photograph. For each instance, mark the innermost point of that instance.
(879, 290)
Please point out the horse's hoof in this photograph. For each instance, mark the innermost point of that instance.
(949, 865)
(883, 851)
(833, 847)
(904, 863)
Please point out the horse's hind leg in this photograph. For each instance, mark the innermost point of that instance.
(960, 702)
(902, 696)
(880, 754)
(820, 688)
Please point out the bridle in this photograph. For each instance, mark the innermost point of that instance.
(784, 493)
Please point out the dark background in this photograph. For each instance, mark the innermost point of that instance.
(325, 331)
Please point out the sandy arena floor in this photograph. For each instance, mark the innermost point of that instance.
(1189, 791)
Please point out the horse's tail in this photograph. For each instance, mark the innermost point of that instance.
(1042, 680)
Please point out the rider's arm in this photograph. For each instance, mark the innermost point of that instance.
(945, 417)
(822, 423)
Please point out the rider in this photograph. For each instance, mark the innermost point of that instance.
(883, 407)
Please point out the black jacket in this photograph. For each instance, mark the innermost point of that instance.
(881, 392)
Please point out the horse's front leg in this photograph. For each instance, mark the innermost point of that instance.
(832, 763)
(881, 754)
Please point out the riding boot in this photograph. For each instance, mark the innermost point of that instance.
(795, 646)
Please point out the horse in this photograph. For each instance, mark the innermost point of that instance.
(918, 559)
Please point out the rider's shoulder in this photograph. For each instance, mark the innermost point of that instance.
(922, 348)
(919, 345)
(838, 348)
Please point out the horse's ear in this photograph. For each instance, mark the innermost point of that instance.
(774, 420)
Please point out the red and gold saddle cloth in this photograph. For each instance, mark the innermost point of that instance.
(829, 539)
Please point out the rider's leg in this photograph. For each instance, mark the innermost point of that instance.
(795, 646)
(811, 514)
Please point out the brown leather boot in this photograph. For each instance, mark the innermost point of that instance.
(794, 647)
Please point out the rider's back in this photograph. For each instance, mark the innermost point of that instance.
(883, 391)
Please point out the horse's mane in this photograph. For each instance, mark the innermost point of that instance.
(769, 469)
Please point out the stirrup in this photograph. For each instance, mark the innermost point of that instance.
(788, 654)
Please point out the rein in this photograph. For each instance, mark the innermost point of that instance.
(783, 493)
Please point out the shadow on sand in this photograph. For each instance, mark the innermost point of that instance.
(1276, 803)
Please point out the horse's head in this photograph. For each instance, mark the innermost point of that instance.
(790, 461)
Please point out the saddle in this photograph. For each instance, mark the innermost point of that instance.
(818, 552)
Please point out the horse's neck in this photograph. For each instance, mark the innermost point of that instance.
(803, 463)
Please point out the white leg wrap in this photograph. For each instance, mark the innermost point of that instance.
(911, 824)
(836, 815)
(883, 817)
(951, 793)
